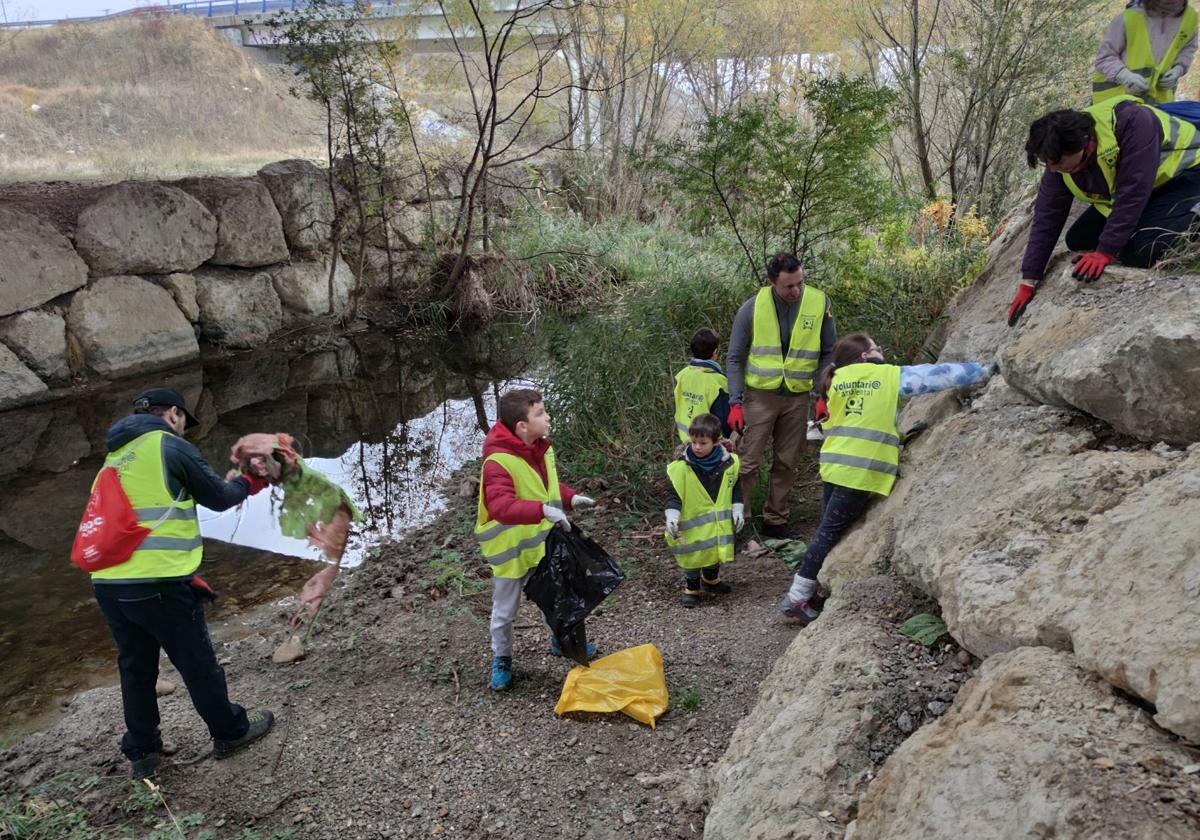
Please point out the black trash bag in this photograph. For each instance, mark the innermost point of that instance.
(573, 578)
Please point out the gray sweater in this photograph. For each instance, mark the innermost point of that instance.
(743, 330)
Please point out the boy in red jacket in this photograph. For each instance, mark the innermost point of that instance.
(520, 500)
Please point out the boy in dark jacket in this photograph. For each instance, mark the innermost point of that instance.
(520, 500)
(703, 509)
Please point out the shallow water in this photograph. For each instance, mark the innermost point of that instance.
(387, 419)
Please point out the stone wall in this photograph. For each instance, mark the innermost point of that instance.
(1054, 515)
(102, 283)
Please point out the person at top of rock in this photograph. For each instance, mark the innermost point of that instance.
(1145, 51)
(1134, 164)
(860, 455)
(701, 387)
(520, 500)
(153, 600)
(781, 337)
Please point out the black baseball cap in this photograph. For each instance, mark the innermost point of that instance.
(162, 398)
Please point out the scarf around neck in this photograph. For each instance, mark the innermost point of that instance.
(708, 463)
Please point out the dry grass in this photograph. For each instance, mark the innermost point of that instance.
(141, 98)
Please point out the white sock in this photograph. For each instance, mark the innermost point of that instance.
(802, 588)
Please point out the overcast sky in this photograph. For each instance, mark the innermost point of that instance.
(55, 9)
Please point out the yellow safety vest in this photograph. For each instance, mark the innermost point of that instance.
(862, 444)
(512, 550)
(696, 389)
(766, 366)
(1139, 57)
(173, 547)
(1180, 151)
(705, 524)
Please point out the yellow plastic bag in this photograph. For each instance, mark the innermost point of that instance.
(629, 681)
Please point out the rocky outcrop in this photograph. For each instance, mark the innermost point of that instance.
(37, 263)
(183, 288)
(304, 287)
(136, 227)
(1033, 747)
(126, 325)
(39, 338)
(301, 194)
(238, 309)
(249, 228)
(18, 384)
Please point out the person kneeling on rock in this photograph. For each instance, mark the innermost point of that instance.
(860, 456)
(704, 508)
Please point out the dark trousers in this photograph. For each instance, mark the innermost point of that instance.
(147, 617)
(691, 577)
(1168, 215)
(840, 508)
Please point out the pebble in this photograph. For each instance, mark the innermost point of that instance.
(1191, 769)
(601, 749)
(572, 741)
(628, 817)
(905, 723)
(937, 707)
(1104, 763)
(163, 687)
(963, 658)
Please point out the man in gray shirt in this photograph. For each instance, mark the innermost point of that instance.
(781, 338)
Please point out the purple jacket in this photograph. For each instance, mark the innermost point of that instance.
(1139, 135)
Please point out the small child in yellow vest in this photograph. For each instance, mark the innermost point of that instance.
(703, 509)
(860, 455)
(520, 500)
(701, 387)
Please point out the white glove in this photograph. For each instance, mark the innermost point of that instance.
(1171, 78)
(739, 516)
(556, 516)
(1132, 82)
(578, 502)
(673, 523)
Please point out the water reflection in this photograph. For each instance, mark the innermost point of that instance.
(387, 418)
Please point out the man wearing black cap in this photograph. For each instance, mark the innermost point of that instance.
(153, 600)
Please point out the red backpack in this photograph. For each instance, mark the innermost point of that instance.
(109, 532)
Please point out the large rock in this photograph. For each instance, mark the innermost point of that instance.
(18, 384)
(136, 227)
(249, 228)
(237, 308)
(301, 194)
(37, 263)
(126, 325)
(183, 288)
(825, 717)
(303, 286)
(39, 338)
(1033, 747)
(1123, 349)
(20, 432)
(1030, 529)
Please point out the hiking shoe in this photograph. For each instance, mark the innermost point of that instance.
(501, 673)
(690, 598)
(261, 721)
(801, 612)
(556, 649)
(145, 767)
(780, 532)
(717, 586)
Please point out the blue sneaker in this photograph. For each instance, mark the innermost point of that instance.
(555, 650)
(501, 673)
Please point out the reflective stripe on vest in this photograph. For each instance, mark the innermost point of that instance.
(705, 524)
(512, 550)
(1180, 151)
(173, 547)
(696, 389)
(1139, 57)
(862, 445)
(766, 365)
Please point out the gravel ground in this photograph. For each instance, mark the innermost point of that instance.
(388, 727)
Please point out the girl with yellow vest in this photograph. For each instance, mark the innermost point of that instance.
(1135, 164)
(704, 509)
(860, 456)
(520, 500)
(1145, 51)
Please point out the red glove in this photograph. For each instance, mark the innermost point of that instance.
(256, 482)
(736, 421)
(821, 412)
(1089, 266)
(1020, 300)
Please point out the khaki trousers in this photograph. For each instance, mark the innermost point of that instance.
(783, 420)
